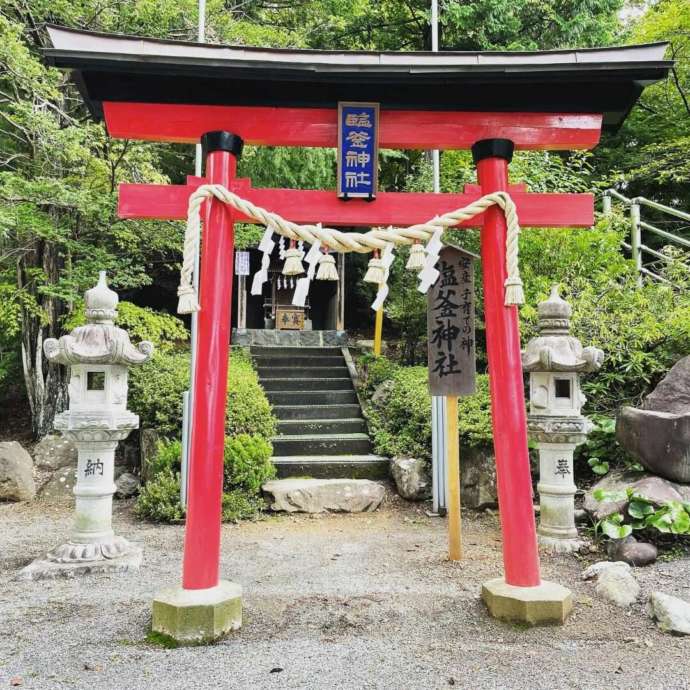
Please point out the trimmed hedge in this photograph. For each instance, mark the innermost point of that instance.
(155, 394)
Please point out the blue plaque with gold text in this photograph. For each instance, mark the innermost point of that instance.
(358, 147)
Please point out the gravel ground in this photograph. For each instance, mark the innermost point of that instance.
(353, 601)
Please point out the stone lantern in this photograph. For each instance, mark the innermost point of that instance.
(98, 354)
(555, 360)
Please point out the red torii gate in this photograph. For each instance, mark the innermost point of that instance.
(176, 92)
(492, 155)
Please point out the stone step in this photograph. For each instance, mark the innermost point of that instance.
(289, 372)
(325, 384)
(367, 466)
(312, 397)
(304, 412)
(291, 427)
(298, 360)
(321, 444)
(310, 495)
(290, 351)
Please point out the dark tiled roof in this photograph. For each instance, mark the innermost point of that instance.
(127, 68)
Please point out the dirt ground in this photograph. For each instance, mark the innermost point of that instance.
(350, 601)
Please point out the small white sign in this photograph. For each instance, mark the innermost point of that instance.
(242, 263)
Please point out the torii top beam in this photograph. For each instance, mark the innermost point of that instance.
(174, 91)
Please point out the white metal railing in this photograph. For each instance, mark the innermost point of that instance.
(636, 246)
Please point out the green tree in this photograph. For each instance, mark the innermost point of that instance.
(648, 155)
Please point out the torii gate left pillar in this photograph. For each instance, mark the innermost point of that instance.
(207, 607)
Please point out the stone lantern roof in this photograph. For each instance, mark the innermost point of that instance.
(554, 349)
(99, 341)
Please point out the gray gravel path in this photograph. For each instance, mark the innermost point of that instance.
(358, 601)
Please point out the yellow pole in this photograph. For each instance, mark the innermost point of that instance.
(378, 331)
(453, 480)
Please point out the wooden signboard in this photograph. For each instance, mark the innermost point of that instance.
(288, 319)
(452, 366)
(450, 325)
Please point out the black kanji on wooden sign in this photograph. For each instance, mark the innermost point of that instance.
(450, 325)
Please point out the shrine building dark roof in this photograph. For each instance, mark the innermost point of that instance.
(110, 67)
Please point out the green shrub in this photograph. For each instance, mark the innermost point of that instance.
(237, 506)
(168, 457)
(402, 425)
(248, 463)
(373, 371)
(159, 498)
(601, 451)
(672, 517)
(156, 389)
(155, 392)
(248, 410)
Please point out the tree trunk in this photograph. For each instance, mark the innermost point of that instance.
(46, 383)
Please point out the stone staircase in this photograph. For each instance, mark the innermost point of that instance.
(321, 431)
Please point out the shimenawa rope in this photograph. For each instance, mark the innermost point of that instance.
(345, 241)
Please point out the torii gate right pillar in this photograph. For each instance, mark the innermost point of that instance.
(522, 595)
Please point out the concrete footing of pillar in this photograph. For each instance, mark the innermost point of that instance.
(546, 604)
(197, 616)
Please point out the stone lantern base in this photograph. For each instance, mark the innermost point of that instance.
(547, 604)
(197, 616)
(556, 545)
(71, 559)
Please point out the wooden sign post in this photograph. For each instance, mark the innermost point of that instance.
(452, 363)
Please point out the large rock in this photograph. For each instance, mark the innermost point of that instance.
(60, 487)
(618, 586)
(127, 485)
(672, 614)
(382, 394)
(658, 434)
(53, 452)
(614, 582)
(411, 478)
(631, 551)
(593, 571)
(16, 473)
(654, 489)
(478, 478)
(673, 392)
(296, 495)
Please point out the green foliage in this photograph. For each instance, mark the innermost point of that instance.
(168, 457)
(672, 517)
(657, 165)
(642, 330)
(405, 307)
(155, 392)
(248, 463)
(373, 371)
(614, 527)
(248, 409)
(156, 388)
(485, 24)
(159, 498)
(239, 505)
(601, 449)
(401, 424)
